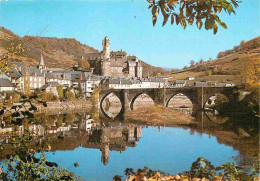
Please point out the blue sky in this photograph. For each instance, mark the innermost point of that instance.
(128, 24)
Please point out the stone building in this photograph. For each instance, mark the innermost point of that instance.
(114, 64)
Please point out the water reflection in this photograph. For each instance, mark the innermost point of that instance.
(79, 130)
(87, 140)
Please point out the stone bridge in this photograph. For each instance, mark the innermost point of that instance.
(162, 96)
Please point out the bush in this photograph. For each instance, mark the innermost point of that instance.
(47, 96)
(60, 91)
(16, 97)
(70, 96)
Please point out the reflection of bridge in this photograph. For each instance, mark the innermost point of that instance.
(162, 96)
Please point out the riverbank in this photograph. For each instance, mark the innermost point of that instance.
(159, 116)
(52, 107)
(66, 105)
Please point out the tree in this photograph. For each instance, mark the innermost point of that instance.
(192, 62)
(185, 12)
(79, 93)
(27, 86)
(209, 72)
(60, 91)
(215, 70)
(70, 96)
(253, 73)
(220, 55)
(5, 58)
(84, 64)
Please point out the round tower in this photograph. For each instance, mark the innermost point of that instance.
(106, 68)
(106, 49)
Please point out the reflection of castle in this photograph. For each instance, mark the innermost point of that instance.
(115, 137)
(85, 133)
(114, 64)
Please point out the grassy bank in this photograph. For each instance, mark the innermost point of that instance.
(159, 116)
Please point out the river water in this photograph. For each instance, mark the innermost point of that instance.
(104, 149)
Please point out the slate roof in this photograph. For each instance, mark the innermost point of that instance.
(14, 73)
(200, 84)
(19, 64)
(180, 82)
(118, 81)
(156, 80)
(50, 84)
(32, 71)
(6, 83)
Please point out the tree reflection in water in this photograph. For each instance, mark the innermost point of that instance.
(70, 131)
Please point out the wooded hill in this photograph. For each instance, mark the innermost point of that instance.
(57, 52)
(230, 67)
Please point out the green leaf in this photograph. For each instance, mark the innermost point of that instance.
(177, 19)
(172, 19)
(215, 30)
(199, 23)
(154, 10)
(154, 20)
(183, 23)
(150, 6)
(223, 25)
(172, 2)
(165, 19)
(203, 164)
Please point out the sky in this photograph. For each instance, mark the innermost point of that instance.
(128, 24)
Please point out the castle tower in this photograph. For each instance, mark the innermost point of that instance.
(106, 69)
(41, 65)
(138, 69)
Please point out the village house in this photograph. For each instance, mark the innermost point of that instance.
(6, 85)
(180, 83)
(200, 84)
(51, 87)
(190, 78)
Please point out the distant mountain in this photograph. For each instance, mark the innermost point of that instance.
(57, 52)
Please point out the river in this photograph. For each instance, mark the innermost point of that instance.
(106, 148)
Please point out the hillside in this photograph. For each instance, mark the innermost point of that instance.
(227, 69)
(57, 52)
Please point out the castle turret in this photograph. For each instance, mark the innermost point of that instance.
(106, 69)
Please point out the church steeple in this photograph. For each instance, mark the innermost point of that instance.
(41, 61)
(41, 65)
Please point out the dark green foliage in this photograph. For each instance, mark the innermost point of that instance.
(24, 164)
(202, 168)
(197, 12)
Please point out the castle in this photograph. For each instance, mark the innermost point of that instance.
(114, 64)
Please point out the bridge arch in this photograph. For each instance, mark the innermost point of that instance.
(176, 94)
(133, 100)
(211, 99)
(103, 97)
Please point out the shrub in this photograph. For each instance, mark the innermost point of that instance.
(60, 91)
(70, 96)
